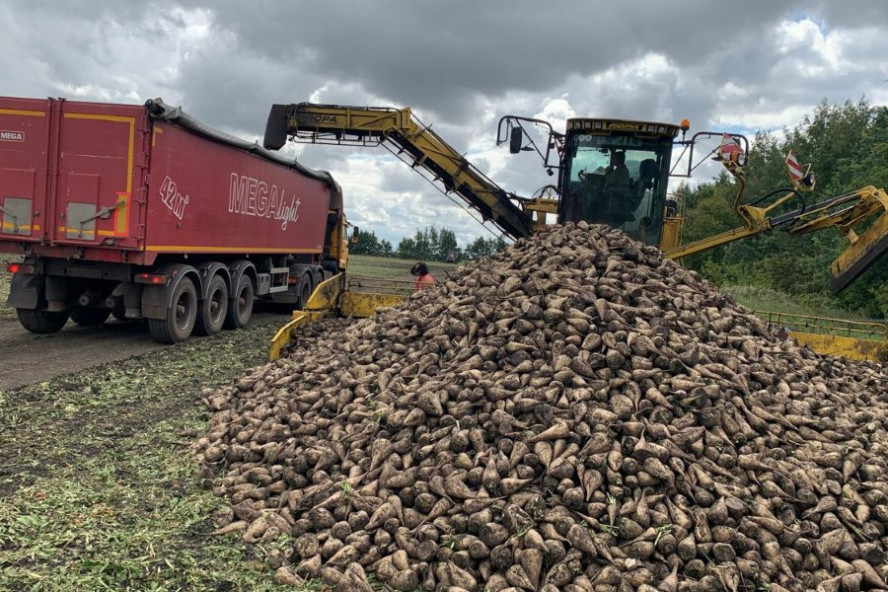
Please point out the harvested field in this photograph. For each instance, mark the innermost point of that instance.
(574, 413)
(97, 491)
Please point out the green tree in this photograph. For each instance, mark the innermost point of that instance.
(848, 146)
(446, 245)
(429, 244)
(434, 242)
(407, 248)
(422, 246)
(367, 244)
(482, 247)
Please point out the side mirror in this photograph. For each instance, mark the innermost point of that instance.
(515, 139)
(354, 236)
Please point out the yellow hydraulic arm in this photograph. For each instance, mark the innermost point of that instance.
(711, 242)
(842, 212)
(362, 126)
(755, 219)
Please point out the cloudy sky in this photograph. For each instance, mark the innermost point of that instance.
(760, 65)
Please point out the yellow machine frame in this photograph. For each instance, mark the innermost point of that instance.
(422, 148)
(858, 340)
(417, 144)
(340, 296)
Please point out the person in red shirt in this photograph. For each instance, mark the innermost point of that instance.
(423, 278)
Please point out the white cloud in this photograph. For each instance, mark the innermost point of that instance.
(750, 121)
(822, 52)
(459, 65)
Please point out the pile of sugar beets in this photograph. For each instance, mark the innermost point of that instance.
(574, 413)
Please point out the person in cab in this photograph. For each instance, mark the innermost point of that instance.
(616, 178)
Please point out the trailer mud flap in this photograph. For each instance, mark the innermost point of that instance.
(156, 300)
(24, 291)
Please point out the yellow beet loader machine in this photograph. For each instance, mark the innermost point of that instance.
(342, 295)
(581, 160)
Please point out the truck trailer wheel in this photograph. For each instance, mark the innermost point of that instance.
(181, 315)
(90, 317)
(240, 309)
(304, 289)
(214, 308)
(41, 321)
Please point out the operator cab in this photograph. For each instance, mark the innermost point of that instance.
(616, 172)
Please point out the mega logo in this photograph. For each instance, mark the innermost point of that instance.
(10, 136)
(250, 196)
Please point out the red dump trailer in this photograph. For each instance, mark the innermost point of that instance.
(143, 212)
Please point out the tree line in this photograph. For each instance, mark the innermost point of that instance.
(427, 244)
(848, 147)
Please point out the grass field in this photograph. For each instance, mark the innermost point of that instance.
(388, 275)
(391, 268)
(764, 299)
(783, 310)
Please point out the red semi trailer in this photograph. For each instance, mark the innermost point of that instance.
(142, 212)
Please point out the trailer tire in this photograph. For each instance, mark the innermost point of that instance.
(90, 317)
(304, 289)
(181, 315)
(40, 321)
(240, 309)
(214, 308)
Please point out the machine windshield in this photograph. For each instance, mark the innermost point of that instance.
(619, 180)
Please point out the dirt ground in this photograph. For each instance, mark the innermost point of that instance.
(28, 358)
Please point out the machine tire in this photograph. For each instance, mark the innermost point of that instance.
(119, 314)
(90, 317)
(40, 321)
(181, 315)
(240, 309)
(214, 308)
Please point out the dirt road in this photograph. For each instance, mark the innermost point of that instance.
(26, 358)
